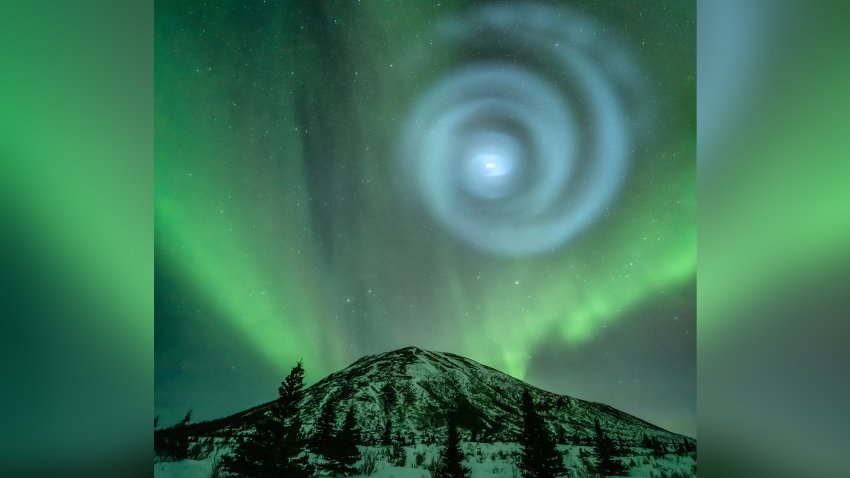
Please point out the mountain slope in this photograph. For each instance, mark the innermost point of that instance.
(416, 389)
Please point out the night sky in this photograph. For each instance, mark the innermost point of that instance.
(511, 182)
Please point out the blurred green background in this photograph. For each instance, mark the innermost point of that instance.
(774, 229)
(76, 254)
(77, 261)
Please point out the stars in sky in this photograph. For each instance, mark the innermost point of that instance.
(279, 209)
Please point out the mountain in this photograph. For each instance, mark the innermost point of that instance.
(416, 389)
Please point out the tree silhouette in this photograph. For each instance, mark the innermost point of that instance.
(606, 464)
(451, 457)
(172, 444)
(390, 397)
(540, 458)
(646, 442)
(276, 447)
(294, 461)
(323, 436)
(387, 437)
(345, 453)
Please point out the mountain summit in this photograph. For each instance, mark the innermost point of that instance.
(415, 390)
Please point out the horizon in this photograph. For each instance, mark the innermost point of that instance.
(307, 385)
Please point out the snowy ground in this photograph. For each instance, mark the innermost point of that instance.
(485, 460)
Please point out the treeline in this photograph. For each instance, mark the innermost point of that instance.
(277, 445)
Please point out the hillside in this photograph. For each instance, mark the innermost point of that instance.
(416, 389)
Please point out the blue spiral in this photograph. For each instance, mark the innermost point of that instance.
(526, 139)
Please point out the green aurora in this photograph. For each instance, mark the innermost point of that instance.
(276, 205)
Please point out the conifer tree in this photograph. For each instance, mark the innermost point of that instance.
(390, 397)
(172, 444)
(606, 464)
(345, 452)
(659, 449)
(686, 447)
(451, 458)
(387, 437)
(325, 430)
(540, 458)
(397, 453)
(180, 438)
(276, 448)
(294, 462)
(646, 442)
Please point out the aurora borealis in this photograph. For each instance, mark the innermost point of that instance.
(286, 228)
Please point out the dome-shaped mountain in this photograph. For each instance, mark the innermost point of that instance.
(416, 389)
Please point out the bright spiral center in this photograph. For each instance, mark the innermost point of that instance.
(492, 163)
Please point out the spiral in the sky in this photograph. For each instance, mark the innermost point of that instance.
(524, 139)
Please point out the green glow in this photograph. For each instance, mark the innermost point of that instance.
(775, 212)
(239, 241)
(647, 258)
(78, 195)
(234, 218)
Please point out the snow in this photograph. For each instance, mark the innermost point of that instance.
(183, 469)
(428, 386)
(485, 460)
(399, 472)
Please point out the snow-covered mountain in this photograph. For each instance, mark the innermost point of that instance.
(416, 389)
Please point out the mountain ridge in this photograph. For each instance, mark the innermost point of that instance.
(415, 389)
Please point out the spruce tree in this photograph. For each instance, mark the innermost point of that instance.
(390, 397)
(323, 435)
(540, 458)
(345, 452)
(646, 442)
(606, 464)
(659, 449)
(293, 457)
(180, 438)
(387, 437)
(276, 448)
(682, 449)
(172, 444)
(256, 454)
(397, 453)
(451, 458)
